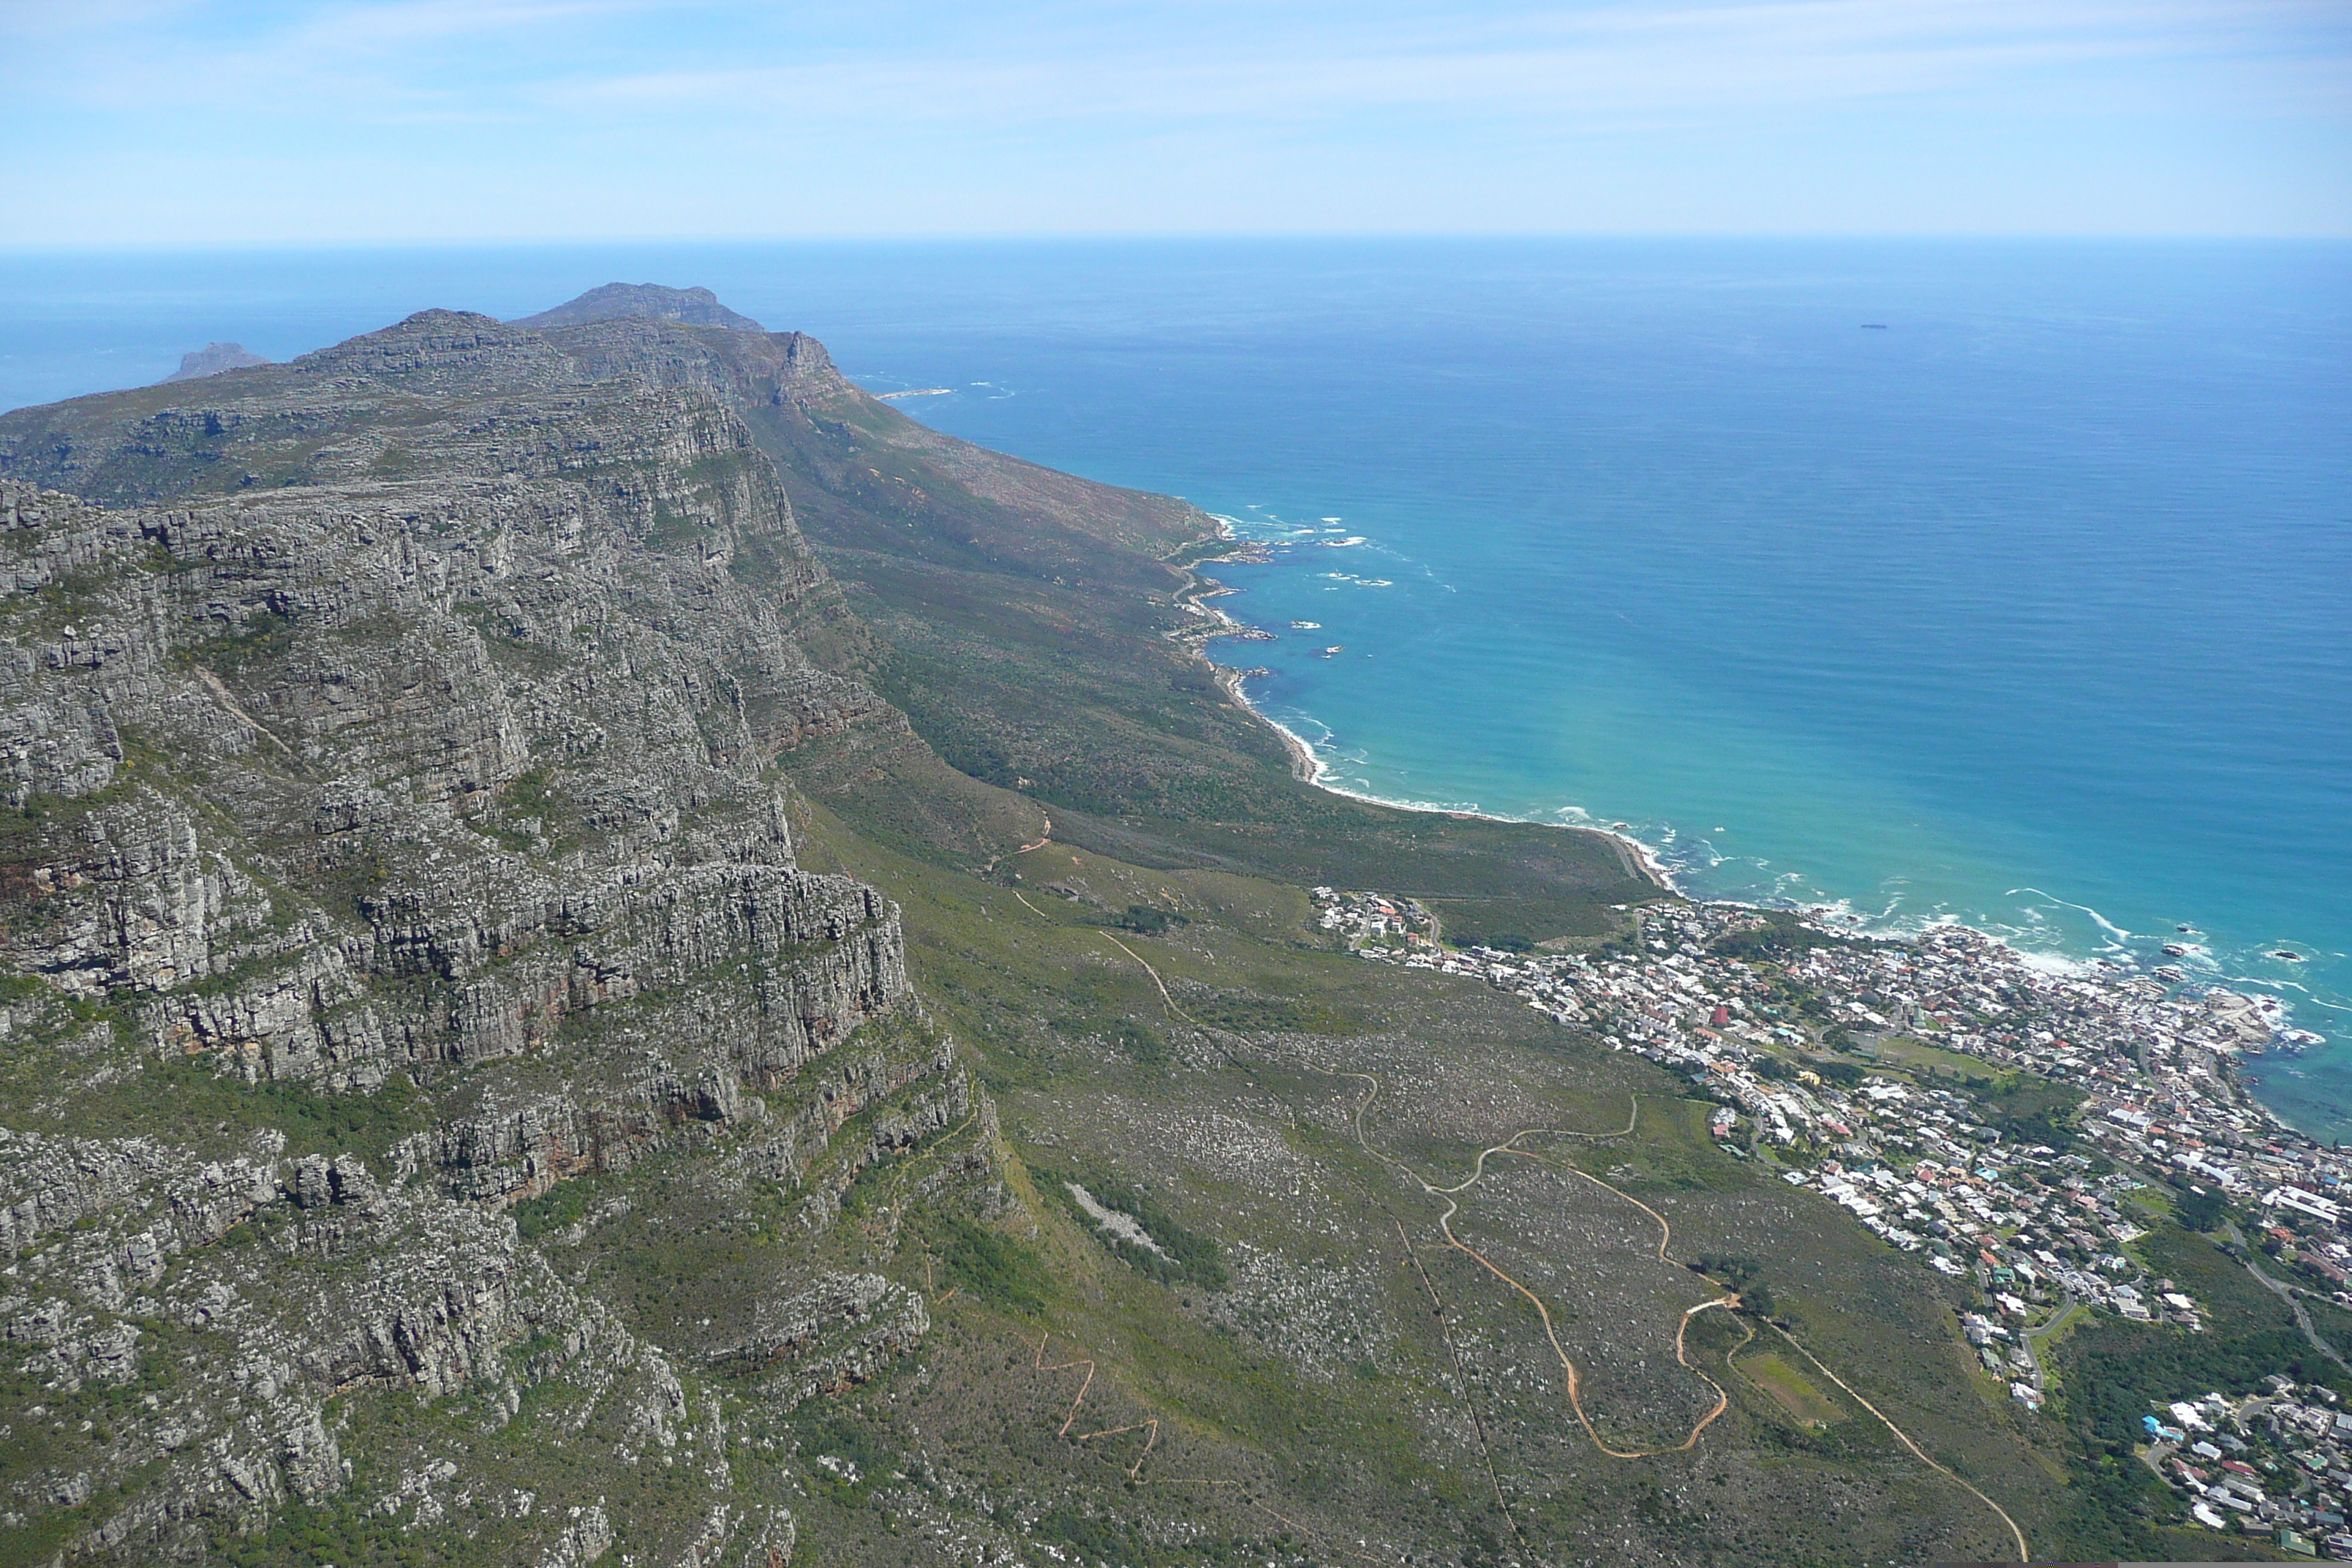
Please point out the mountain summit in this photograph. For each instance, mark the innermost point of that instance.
(214, 358)
(688, 307)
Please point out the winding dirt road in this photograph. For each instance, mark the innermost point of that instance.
(1508, 1147)
(1551, 1334)
(1665, 1238)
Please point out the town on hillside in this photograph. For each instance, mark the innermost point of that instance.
(1991, 1117)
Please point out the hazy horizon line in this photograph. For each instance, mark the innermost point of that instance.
(16, 248)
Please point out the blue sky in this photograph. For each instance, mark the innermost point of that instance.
(274, 121)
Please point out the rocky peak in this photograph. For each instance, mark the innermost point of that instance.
(743, 370)
(214, 358)
(686, 307)
(439, 351)
(444, 394)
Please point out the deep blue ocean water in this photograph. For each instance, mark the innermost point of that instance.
(2009, 582)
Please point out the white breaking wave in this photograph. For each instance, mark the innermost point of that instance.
(2101, 920)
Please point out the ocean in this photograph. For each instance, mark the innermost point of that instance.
(2006, 583)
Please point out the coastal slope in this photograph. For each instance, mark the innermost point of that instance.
(615, 952)
(1045, 635)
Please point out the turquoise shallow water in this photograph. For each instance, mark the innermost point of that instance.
(2028, 607)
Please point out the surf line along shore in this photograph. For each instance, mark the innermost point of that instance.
(1211, 622)
(1641, 861)
(2201, 1073)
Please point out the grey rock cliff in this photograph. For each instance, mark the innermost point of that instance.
(401, 742)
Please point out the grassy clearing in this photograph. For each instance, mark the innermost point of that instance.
(1924, 1061)
(1789, 1389)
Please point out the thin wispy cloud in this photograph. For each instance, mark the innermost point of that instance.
(1694, 59)
(931, 112)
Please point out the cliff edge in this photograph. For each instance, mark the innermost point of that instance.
(391, 845)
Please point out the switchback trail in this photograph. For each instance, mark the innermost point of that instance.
(1148, 1423)
(1665, 1238)
(1151, 1425)
(1575, 1377)
(1045, 836)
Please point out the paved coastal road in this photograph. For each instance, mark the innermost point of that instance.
(2287, 1293)
(2041, 1372)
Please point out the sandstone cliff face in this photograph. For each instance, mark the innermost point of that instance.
(226, 1312)
(400, 743)
(800, 405)
(474, 765)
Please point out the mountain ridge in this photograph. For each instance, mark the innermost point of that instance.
(594, 921)
(691, 306)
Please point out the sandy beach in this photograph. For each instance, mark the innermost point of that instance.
(1213, 623)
